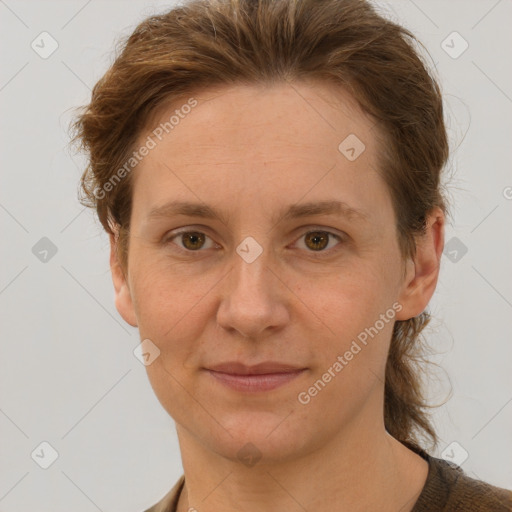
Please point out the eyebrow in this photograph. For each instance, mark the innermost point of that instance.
(294, 211)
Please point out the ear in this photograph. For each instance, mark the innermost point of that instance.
(123, 298)
(423, 270)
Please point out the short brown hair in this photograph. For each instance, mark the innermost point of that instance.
(205, 43)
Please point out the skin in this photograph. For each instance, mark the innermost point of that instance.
(250, 151)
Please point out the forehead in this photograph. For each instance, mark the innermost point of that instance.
(307, 108)
(265, 141)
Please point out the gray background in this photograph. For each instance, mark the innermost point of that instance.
(68, 375)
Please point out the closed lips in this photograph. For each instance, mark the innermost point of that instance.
(259, 378)
(236, 368)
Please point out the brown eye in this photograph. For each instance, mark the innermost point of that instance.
(192, 240)
(188, 241)
(318, 240)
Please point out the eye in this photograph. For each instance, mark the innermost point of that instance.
(318, 240)
(191, 240)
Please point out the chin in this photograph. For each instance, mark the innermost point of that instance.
(256, 438)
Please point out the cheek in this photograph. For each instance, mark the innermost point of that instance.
(167, 300)
(358, 310)
(354, 297)
(351, 358)
(170, 312)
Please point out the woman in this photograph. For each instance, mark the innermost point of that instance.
(269, 173)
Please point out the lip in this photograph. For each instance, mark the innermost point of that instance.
(237, 368)
(261, 377)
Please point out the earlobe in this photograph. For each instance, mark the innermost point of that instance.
(423, 270)
(123, 299)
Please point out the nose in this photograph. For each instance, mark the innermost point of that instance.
(254, 298)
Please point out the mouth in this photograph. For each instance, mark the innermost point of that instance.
(258, 378)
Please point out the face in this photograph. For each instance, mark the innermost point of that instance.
(298, 260)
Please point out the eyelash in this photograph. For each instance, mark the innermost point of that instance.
(169, 239)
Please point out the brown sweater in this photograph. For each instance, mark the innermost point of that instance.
(447, 489)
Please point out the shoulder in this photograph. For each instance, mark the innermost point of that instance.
(169, 502)
(449, 489)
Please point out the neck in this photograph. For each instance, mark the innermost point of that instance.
(361, 468)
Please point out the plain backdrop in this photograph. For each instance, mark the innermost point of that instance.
(68, 375)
